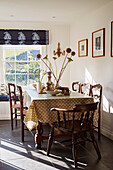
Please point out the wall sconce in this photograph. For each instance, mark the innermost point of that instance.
(58, 52)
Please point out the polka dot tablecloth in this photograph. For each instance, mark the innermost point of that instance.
(39, 110)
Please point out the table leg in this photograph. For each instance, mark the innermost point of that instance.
(38, 135)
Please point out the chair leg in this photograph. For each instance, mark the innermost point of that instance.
(11, 121)
(99, 127)
(74, 149)
(22, 128)
(15, 117)
(95, 144)
(50, 141)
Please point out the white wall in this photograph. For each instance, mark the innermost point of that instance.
(58, 33)
(99, 70)
(4, 110)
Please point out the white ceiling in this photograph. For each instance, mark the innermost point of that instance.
(64, 11)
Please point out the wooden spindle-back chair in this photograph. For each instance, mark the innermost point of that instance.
(75, 129)
(13, 104)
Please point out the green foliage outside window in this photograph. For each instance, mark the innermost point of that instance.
(20, 64)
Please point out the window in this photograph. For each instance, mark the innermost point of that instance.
(20, 63)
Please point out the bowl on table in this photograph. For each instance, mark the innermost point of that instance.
(52, 92)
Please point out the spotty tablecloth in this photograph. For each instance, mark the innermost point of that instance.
(39, 108)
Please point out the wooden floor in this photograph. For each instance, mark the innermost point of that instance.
(15, 155)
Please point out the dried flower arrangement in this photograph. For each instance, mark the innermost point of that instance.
(66, 61)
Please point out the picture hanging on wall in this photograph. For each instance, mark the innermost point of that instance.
(83, 48)
(112, 39)
(98, 43)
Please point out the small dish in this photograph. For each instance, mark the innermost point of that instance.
(52, 92)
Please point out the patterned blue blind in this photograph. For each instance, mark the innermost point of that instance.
(24, 37)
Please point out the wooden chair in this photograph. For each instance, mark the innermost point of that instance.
(96, 93)
(23, 111)
(76, 86)
(13, 105)
(85, 88)
(65, 128)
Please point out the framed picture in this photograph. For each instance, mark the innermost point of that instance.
(83, 48)
(112, 39)
(98, 43)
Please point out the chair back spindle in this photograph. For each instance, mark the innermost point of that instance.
(20, 98)
(64, 119)
(58, 114)
(23, 110)
(76, 86)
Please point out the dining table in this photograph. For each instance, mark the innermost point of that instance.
(39, 109)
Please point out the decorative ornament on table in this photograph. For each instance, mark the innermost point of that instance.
(38, 80)
(67, 59)
(50, 85)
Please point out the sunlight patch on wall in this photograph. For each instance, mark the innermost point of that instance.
(111, 109)
(105, 103)
(88, 77)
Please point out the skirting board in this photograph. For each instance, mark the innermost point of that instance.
(107, 133)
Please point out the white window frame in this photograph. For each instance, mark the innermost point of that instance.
(42, 50)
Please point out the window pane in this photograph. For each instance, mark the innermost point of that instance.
(32, 55)
(21, 67)
(21, 54)
(31, 79)
(9, 67)
(33, 67)
(9, 54)
(21, 79)
(10, 78)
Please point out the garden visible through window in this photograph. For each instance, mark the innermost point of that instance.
(20, 62)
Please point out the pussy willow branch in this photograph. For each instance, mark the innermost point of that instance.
(61, 69)
(49, 69)
(63, 64)
(56, 68)
(66, 65)
(52, 71)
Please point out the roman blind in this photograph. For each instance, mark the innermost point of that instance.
(24, 37)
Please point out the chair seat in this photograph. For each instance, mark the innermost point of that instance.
(19, 113)
(17, 106)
